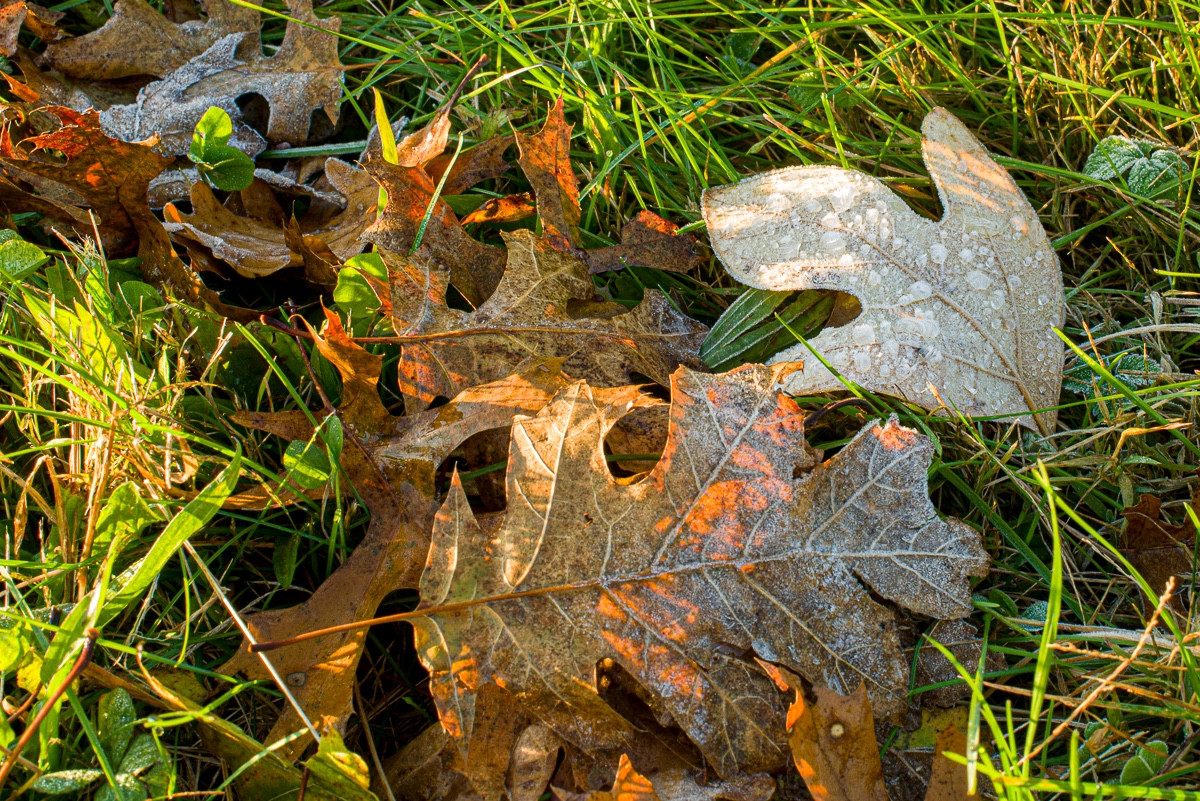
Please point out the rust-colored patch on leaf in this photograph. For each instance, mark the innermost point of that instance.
(712, 547)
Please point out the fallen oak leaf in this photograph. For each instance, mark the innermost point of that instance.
(510, 208)
(474, 165)
(391, 462)
(719, 550)
(832, 738)
(251, 247)
(1158, 550)
(97, 174)
(647, 241)
(17, 13)
(138, 40)
(948, 780)
(476, 268)
(432, 767)
(968, 304)
(301, 77)
(530, 315)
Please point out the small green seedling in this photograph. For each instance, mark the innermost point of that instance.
(222, 165)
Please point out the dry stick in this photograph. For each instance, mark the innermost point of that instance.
(1108, 681)
(85, 656)
(241, 624)
(366, 724)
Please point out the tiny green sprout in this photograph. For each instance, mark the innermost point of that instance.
(222, 165)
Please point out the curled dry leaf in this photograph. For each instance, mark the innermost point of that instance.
(967, 304)
(138, 40)
(40, 21)
(1158, 550)
(434, 768)
(475, 268)
(251, 247)
(303, 76)
(530, 316)
(97, 176)
(391, 462)
(720, 552)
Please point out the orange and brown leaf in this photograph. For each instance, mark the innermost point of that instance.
(719, 551)
(832, 738)
(391, 463)
(532, 314)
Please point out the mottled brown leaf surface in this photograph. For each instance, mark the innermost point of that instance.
(948, 779)
(391, 462)
(253, 248)
(17, 13)
(138, 40)
(302, 76)
(1157, 549)
(832, 738)
(967, 304)
(719, 553)
(529, 316)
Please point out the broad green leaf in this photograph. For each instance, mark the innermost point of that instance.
(18, 258)
(142, 754)
(66, 643)
(189, 520)
(115, 719)
(128, 789)
(65, 781)
(213, 130)
(287, 548)
(122, 519)
(139, 300)
(228, 168)
(307, 463)
(1151, 169)
(7, 736)
(353, 295)
(1145, 764)
(12, 647)
(331, 432)
(339, 771)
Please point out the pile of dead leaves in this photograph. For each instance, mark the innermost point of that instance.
(686, 631)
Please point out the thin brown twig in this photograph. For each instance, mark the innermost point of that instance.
(1106, 683)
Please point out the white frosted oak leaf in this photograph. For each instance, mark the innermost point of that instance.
(965, 306)
(738, 544)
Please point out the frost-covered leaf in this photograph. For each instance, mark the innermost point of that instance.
(138, 40)
(1145, 764)
(1149, 168)
(116, 716)
(65, 781)
(720, 553)
(967, 304)
(18, 258)
(301, 77)
(1132, 368)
